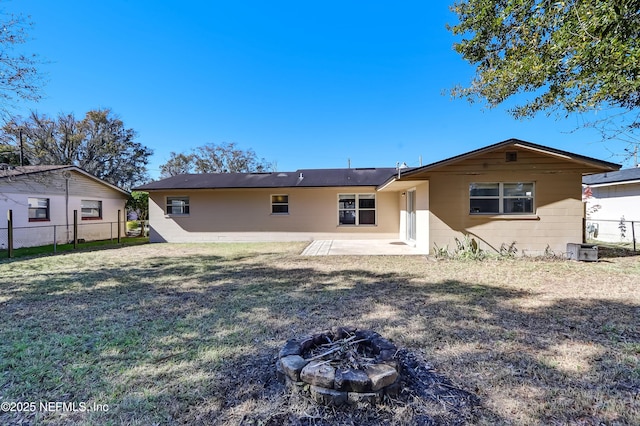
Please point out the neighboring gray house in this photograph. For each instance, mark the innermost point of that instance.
(613, 205)
(43, 198)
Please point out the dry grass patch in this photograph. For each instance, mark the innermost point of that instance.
(188, 334)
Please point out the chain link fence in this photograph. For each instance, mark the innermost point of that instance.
(45, 235)
(620, 231)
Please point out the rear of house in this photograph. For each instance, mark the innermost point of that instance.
(285, 206)
(513, 193)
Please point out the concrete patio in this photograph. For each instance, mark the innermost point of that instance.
(361, 248)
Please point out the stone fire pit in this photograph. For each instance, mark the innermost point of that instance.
(343, 365)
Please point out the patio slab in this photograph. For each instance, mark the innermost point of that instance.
(361, 248)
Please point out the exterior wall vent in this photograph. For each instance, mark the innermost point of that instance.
(511, 156)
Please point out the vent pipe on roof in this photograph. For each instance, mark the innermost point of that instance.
(301, 176)
(399, 167)
(21, 150)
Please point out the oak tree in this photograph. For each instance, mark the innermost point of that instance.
(564, 56)
(19, 75)
(212, 158)
(177, 164)
(99, 143)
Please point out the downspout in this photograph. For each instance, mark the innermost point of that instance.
(66, 203)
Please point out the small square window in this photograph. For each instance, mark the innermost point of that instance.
(38, 209)
(91, 209)
(279, 204)
(178, 205)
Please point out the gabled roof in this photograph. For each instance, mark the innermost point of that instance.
(588, 162)
(518, 144)
(304, 178)
(613, 178)
(15, 171)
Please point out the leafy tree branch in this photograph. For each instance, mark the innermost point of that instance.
(564, 56)
(212, 158)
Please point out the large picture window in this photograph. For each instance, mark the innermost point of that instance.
(91, 209)
(279, 204)
(357, 209)
(501, 198)
(38, 209)
(177, 205)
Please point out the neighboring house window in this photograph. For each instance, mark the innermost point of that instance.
(280, 204)
(501, 198)
(38, 209)
(91, 209)
(357, 209)
(177, 205)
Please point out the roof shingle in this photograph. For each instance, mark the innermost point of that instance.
(300, 178)
(25, 170)
(613, 177)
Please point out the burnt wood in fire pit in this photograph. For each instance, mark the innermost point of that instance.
(342, 365)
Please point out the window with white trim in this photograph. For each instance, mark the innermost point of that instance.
(38, 209)
(178, 205)
(91, 209)
(501, 198)
(357, 209)
(280, 204)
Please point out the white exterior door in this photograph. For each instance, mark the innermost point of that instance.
(411, 215)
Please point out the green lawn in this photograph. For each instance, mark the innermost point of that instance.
(188, 334)
(51, 249)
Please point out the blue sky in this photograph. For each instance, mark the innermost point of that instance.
(303, 84)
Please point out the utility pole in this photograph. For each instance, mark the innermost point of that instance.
(21, 149)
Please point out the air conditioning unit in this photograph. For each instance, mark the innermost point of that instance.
(582, 252)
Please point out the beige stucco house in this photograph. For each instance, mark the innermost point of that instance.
(43, 199)
(512, 191)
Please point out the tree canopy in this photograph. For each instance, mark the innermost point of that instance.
(19, 76)
(212, 158)
(99, 144)
(9, 155)
(139, 202)
(570, 56)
